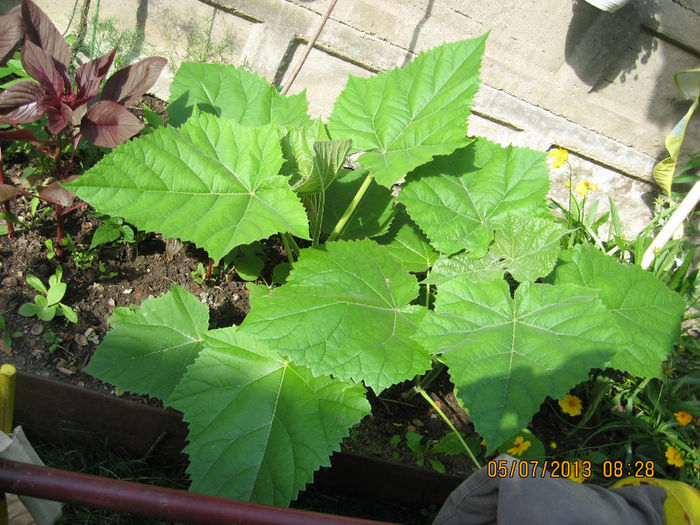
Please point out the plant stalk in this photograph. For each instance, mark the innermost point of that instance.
(426, 380)
(684, 209)
(209, 269)
(6, 206)
(350, 209)
(449, 424)
(287, 248)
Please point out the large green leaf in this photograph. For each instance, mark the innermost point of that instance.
(407, 244)
(147, 352)
(524, 246)
(458, 200)
(404, 117)
(506, 355)
(260, 425)
(211, 182)
(233, 93)
(648, 313)
(345, 311)
(371, 217)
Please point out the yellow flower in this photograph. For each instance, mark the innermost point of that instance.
(559, 156)
(567, 184)
(683, 417)
(483, 442)
(552, 445)
(571, 405)
(582, 188)
(673, 457)
(579, 468)
(520, 446)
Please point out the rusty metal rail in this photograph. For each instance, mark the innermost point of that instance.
(147, 500)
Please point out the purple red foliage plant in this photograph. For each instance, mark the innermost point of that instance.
(74, 107)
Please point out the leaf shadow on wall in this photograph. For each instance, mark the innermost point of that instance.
(601, 46)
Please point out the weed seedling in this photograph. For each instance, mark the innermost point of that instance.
(7, 336)
(48, 305)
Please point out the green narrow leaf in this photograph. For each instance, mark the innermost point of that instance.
(147, 351)
(345, 311)
(36, 283)
(404, 117)
(505, 355)
(648, 313)
(260, 425)
(408, 244)
(373, 214)
(211, 182)
(459, 199)
(232, 93)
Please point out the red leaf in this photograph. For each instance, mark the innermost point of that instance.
(39, 29)
(22, 102)
(10, 34)
(7, 191)
(59, 117)
(17, 134)
(128, 84)
(55, 193)
(90, 74)
(39, 64)
(108, 124)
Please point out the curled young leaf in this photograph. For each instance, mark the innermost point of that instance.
(39, 30)
(108, 124)
(10, 34)
(59, 116)
(21, 103)
(128, 84)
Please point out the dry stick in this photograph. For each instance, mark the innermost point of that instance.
(684, 209)
(309, 45)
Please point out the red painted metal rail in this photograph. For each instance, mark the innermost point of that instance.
(135, 498)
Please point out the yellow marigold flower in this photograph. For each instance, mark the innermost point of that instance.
(683, 417)
(582, 188)
(521, 445)
(579, 468)
(673, 457)
(571, 405)
(559, 156)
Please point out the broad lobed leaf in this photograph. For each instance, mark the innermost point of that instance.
(525, 246)
(648, 313)
(458, 200)
(147, 352)
(233, 93)
(211, 182)
(345, 311)
(404, 117)
(260, 425)
(505, 355)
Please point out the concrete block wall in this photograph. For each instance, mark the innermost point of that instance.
(555, 73)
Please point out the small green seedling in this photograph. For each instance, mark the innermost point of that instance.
(200, 274)
(48, 305)
(55, 341)
(105, 274)
(7, 336)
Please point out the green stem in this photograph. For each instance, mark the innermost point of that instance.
(350, 209)
(449, 424)
(426, 380)
(287, 248)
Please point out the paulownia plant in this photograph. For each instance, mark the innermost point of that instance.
(464, 269)
(75, 108)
